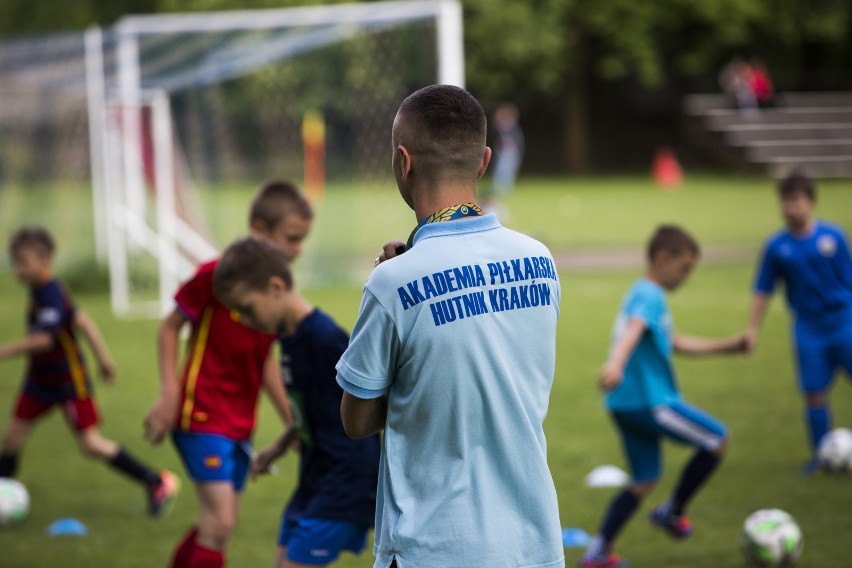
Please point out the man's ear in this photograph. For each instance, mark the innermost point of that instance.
(486, 159)
(405, 162)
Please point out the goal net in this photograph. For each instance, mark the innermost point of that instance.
(188, 113)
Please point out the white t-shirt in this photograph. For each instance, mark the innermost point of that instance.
(460, 332)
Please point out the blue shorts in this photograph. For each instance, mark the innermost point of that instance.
(642, 430)
(211, 457)
(820, 354)
(320, 541)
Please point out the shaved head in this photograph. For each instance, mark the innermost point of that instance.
(444, 128)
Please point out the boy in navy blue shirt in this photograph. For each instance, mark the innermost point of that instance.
(334, 504)
(812, 258)
(57, 373)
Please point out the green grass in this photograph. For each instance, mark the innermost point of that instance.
(755, 396)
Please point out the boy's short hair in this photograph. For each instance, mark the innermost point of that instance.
(276, 199)
(251, 262)
(32, 236)
(797, 182)
(673, 240)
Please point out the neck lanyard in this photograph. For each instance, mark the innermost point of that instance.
(446, 214)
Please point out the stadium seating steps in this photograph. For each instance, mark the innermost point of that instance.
(811, 131)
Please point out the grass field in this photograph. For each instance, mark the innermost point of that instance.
(755, 396)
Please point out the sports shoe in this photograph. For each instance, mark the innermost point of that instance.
(611, 560)
(678, 526)
(161, 495)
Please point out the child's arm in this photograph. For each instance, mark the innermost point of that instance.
(611, 373)
(274, 387)
(262, 462)
(162, 415)
(758, 309)
(96, 342)
(687, 345)
(33, 343)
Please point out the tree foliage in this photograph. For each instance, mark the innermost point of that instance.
(556, 48)
(538, 45)
(541, 44)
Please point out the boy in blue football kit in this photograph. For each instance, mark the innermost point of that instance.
(453, 356)
(644, 401)
(334, 503)
(57, 375)
(812, 258)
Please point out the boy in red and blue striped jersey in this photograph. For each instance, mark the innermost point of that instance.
(57, 374)
(209, 407)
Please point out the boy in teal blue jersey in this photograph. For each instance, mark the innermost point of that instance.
(811, 257)
(644, 401)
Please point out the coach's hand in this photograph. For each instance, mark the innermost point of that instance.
(390, 250)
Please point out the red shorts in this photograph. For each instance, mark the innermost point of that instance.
(81, 414)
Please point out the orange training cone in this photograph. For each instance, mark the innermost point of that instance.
(666, 170)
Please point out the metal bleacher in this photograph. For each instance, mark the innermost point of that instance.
(811, 131)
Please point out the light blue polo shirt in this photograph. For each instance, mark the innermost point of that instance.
(648, 379)
(460, 332)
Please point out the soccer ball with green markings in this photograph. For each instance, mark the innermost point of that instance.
(771, 537)
(14, 501)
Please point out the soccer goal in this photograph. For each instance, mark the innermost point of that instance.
(182, 105)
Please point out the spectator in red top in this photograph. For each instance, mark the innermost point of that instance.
(761, 84)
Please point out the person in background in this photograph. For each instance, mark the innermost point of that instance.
(210, 408)
(811, 258)
(57, 374)
(644, 400)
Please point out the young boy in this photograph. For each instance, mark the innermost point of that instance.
(644, 401)
(211, 409)
(334, 504)
(812, 258)
(57, 373)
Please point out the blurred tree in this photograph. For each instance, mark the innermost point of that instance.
(22, 17)
(558, 47)
(554, 47)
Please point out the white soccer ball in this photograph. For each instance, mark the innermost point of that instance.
(14, 501)
(835, 450)
(771, 537)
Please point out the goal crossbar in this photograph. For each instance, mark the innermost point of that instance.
(123, 79)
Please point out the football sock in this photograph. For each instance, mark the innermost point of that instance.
(8, 464)
(184, 549)
(620, 510)
(696, 472)
(201, 557)
(818, 419)
(597, 547)
(129, 465)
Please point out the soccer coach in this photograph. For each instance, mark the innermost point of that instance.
(453, 355)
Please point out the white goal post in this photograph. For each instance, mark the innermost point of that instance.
(134, 151)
